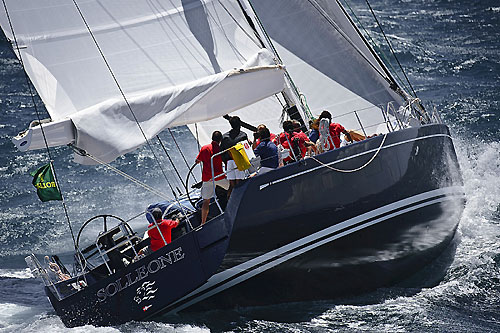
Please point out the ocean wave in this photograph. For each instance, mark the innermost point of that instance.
(16, 273)
(15, 319)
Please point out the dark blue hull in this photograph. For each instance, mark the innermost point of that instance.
(306, 231)
(146, 286)
(349, 220)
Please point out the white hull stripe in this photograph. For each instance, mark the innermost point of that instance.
(263, 186)
(250, 268)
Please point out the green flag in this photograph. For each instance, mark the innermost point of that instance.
(44, 181)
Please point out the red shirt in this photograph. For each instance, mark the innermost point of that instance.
(272, 137)
(335, 130)
(166, 227)
(284, 139)
(302, 139)
(205, 154)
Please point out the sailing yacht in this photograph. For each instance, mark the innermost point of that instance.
(114, 74)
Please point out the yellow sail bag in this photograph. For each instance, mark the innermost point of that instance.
(240, 157)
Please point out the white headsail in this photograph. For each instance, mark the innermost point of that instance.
(327, 59)
(176, 62)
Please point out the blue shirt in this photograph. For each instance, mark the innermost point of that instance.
(314, 136)
(268, 153)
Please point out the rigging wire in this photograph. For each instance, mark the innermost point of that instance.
(131, 111)
(171, 162)
(252, 25)
(339, 30)
(375, 45)
(392, 50)
(235, 49)
(197, 136)
(276, 54)
(199, 148)
(82, 152)
(196, 127)
(40, 122)
(249, 20)
(179, 148)
(136, 181)
(124, 97)
(239, 25)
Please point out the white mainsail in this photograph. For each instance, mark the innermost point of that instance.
(174, 60)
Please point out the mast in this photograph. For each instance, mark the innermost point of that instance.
(291, 90)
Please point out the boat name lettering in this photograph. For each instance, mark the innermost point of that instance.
(140, 273)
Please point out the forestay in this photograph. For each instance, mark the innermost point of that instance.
(327, 58)
(173, 60)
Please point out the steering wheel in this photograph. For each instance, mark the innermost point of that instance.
(105, 218)
(186, 185)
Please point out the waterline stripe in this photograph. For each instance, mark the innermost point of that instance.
(244, 271)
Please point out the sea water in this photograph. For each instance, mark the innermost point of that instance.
(450, 51)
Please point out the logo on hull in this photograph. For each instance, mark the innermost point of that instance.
(145, 292)
(139, 274)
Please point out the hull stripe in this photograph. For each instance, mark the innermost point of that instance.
(263, 186)
(244, 271)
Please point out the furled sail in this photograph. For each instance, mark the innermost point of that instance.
(175, 62)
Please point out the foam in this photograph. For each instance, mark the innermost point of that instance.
(480, 163)
(16, 273)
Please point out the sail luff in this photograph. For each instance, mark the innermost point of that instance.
(291, 93)
(381, 63)
(328, 60)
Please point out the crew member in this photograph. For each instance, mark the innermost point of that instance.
(300, 139)
(229, 140)
(256, 136)
(285, 140)
(314, 133)
(335, 129)
(207, 188)
(165, 227)
(267, 151)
